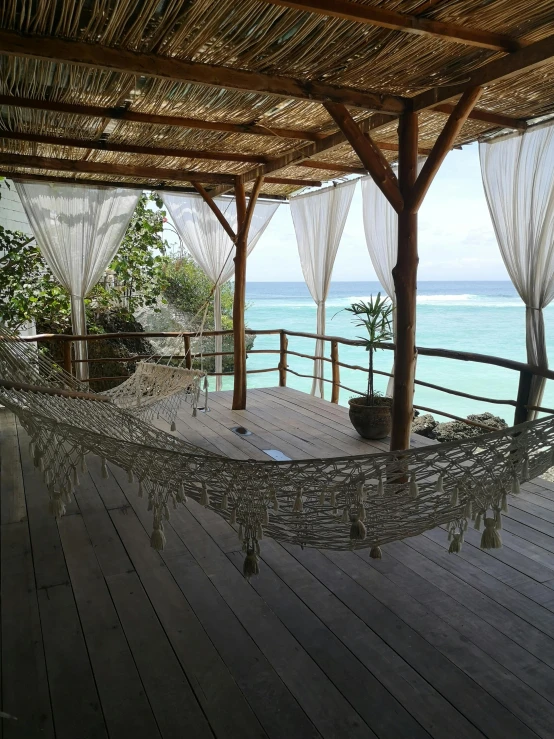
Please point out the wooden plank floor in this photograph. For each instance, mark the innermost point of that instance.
(101, 636)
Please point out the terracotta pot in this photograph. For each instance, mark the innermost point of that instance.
(371, 421)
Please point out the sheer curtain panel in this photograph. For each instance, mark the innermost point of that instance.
(518, 176)
(381, 236)
(319, 219)
(78, 230)
(211, 247)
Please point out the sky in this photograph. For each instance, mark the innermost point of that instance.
(456, 238)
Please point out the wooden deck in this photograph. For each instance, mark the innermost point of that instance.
(101, 636)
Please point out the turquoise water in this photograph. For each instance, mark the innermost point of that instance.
(484, 317)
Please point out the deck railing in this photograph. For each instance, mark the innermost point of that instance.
(520, 403)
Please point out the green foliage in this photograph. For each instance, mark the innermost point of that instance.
(139, 265)
(188, 289)
(28, 290)
(376, 317)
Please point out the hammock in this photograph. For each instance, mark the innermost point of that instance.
(154, 390)
(338, 503)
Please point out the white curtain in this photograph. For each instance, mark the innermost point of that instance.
(518, 176)
(78, 230)
(381, 236)
(211, 247)
(319, 219)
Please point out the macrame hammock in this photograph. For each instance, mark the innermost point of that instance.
(79, 230)
(337, 503)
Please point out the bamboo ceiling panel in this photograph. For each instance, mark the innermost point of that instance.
(259, 37)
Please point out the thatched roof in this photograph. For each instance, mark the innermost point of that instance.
(164, 92)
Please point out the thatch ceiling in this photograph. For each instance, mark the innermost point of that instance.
(150, 92)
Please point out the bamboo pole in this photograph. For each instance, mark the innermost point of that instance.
(335, 371)
(405, 284)
(283, 346)
(239, 391)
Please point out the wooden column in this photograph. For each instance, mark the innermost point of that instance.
(283, 361)
(405, 284)
(66, 346)
(188, 354)
(335, 391)
(239, 392)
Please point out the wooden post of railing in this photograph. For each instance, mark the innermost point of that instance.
(66, 347)
(523, 392)
(283, 360)
(188, 355)
(336, 371)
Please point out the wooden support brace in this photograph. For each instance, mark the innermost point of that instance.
(442, 146)
(215, 210)
(370, 155)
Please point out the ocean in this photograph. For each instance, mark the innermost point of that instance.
(484, 317)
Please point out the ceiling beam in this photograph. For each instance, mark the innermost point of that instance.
(126, 170)
(331, 167)
(370, 155)
(71, 180)
(123, 114)
(370, 15)
(291, 181)
(307, 151)
(524, 60)
(121, 170)
(103, 145)
(478, 114)
(178, 70)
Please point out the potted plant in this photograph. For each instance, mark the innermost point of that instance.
(370, 414)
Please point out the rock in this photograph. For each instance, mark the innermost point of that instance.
(424, 425)
(489, 420)
(455, 430)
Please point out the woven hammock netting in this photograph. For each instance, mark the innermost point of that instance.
(334, 503)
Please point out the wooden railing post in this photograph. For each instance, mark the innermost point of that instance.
(283, 360)
(336, 371)
(188, 355)
(66, 346)
(522, 413)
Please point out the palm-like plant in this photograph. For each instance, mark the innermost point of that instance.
(376, 317)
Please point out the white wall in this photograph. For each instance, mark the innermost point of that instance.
(12, 215)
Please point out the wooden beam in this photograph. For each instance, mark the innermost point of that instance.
(215, 210)
(71, 180)
(239, 301)
(441, 147)
(292, 181)
(405, 285)
(525, 59)
(126, 170)
(478, 114)
(370, 156)
(414, 24)
(389, 146)
(103, 145)
(123, 170)
(308, 150)
(178, 70)
(331, 167)
(123, 114)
